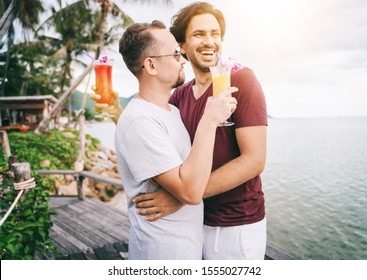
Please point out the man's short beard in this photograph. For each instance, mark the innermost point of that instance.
(180, 81)
(202, 68)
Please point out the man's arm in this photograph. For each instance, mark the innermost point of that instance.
(188, 181)
(251, 162)
(252, 144)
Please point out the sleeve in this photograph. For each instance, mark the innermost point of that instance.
(251, 106)
(147, 149)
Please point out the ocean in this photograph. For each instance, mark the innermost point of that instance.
(315, 185)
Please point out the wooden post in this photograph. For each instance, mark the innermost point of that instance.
(79, 163)
(5, 143)
(22, 172)
(12, 159)
(79, 181)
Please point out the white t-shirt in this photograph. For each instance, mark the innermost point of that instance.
(150, 141)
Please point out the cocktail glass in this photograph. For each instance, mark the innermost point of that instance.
(103, 72)
(221, 77)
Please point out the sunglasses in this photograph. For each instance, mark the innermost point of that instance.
(176, 54)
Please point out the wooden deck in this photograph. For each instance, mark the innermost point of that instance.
(88, 229)
(91, 230)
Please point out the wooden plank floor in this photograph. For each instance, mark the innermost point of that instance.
(90, 229)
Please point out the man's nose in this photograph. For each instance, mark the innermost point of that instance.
(208, 40)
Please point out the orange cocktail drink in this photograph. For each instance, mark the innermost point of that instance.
(220, 82)
(103, 71)
(221, 78)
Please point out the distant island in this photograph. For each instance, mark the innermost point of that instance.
(77, 99)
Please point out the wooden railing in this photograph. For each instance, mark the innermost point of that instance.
(80, 175)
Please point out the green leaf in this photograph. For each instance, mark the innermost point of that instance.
(11, 248)
(27, 212)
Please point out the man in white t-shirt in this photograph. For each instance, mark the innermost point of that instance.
(154, 148)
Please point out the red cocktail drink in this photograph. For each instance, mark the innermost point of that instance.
(104, 81)
(103, 71)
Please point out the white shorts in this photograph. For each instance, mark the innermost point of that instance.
(245, 242)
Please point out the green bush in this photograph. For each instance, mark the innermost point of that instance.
(53, 145)
(26, 230)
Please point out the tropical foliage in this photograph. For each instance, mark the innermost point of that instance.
(26, 12)
(26, 67)
(26, 230)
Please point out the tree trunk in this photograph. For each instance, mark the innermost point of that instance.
(106, 7)
(7, 27)
(7, 19)
(5, 143)
(70, 114)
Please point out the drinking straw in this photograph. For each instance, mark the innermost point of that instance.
(87, 54)
(220, 59)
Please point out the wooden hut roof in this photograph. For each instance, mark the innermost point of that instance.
(50, 98)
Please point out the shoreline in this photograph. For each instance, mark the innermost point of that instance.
(103, 131)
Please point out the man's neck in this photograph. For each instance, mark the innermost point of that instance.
(156, 97)
(202, 82)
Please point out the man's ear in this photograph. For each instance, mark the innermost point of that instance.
(150, 66)
(183, 51)
(182, 47)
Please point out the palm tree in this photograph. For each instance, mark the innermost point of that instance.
(108, 7)
(68, 30)
(27, 12)
(78, 28)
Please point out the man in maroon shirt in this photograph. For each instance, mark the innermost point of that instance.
(234, 206)
(234, 210)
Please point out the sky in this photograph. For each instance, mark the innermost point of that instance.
(310, 56)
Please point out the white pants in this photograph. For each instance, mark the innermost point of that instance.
(245, 242)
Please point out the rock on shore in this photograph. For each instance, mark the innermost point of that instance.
(103, 162)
